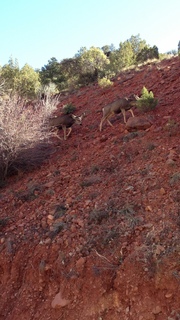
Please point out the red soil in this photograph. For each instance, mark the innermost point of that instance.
(95, 232)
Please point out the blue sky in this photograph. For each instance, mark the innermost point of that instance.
(34, 31)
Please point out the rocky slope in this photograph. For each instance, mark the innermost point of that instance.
(94, 233)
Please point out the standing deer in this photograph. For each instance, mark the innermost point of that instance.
(120, 105)
(65, 121)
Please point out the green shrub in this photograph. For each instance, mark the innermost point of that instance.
(68, 108)
(104, 83)
(146, 102)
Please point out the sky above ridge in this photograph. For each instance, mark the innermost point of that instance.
(35, 31)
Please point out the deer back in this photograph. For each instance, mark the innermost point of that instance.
(65, 120)
(62, 120)
(121, 103)
(115, 107)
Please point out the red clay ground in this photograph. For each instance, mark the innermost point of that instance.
(94, 234)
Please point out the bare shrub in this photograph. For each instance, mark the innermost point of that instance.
(22, 129)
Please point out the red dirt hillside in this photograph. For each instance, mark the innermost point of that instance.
(94, 234)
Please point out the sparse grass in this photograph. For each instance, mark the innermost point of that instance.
(93, 195)
(110, 236)
(3, 222)
(172, 127)
(127, 210)
(94, 169)
(30, 194)
(74, 157)
(130, 136)
(60, 211)
(57, 228)
(175, 179)
(151, 146)
(144, 172)
(90, 181)
(96, 216)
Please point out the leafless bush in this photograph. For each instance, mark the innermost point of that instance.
(22, 129)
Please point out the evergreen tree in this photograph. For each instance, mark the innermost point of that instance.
(23, 82)
(179, 48)
(10, 75)
(28, 83)
(93, 63)
(51, 73)
(147, 53)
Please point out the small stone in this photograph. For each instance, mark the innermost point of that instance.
(59, 302)
(127, 310)
(170, 162)
(172, 155)
(80, 263)
(148, 225)
(156, 310)
(87, 203)
(159, 249)
(43, 224)
(129, 188)
(2, 240)
(103, 138)
(148, 208)
(47, 241)
(162, 191)
(50, 217)
(80, 223)
(49, 184)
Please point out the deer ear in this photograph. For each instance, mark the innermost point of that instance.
(73, 116)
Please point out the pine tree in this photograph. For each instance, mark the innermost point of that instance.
(179, 48)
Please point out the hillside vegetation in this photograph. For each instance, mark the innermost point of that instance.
(86, 67)
(93, 232)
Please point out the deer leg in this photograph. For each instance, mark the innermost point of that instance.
(106, 118)
(70, 129)
(110, 122)
(64, 131)
(102, 120)
(56, 134)
(100, 126)
(109, 116)
(130, 110)
(124, 114)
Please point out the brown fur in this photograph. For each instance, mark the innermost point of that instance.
(120, 105)
(65, 121)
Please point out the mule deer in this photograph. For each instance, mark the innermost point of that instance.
(120, 105)
(65, 121)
